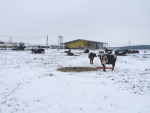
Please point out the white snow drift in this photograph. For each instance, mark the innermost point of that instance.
(31, 83)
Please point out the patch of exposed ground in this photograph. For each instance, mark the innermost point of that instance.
(72, 55)
(77, 69)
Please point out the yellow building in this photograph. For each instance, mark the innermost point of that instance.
(82, 44)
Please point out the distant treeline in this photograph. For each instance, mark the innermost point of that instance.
(136, 47)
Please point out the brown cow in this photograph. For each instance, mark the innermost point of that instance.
(91, 57)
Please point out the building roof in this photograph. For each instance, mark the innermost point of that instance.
(83, 40)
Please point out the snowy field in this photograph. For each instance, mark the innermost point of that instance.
(30, 83)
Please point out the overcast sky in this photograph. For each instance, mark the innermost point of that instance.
(112, 21)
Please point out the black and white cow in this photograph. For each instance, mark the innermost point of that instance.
(108, 51)
(133, 51)
(68, 51)
(91, 57)
(101, 51)
(121, 52)
(86, 51)
(107, 59)
(38, 50)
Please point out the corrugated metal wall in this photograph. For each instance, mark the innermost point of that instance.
(84, 44)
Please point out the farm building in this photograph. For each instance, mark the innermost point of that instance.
(82, 44)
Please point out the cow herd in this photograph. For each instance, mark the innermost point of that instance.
(124, 52)
(104, 59)
(108, 57)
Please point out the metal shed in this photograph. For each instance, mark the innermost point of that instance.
(82, 44)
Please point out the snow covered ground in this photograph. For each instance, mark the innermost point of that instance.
(31, 83)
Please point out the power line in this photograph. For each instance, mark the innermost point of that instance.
(4, 36)
(27, 38)
(23, 37)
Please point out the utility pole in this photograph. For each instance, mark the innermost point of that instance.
(129, 44)
(10, 39)
(47, 42)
